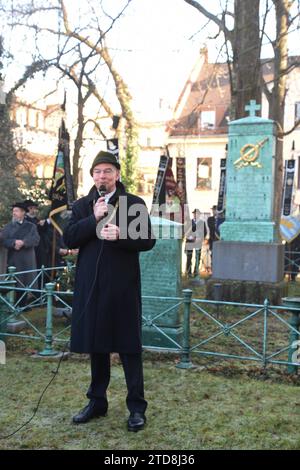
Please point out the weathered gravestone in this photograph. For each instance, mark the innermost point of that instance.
(250, 251)
(161, 277)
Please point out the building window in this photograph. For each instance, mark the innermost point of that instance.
(204, 171)
(297, 111)
(32, 118)
(41, 123)
(21, 117)
(207, 119)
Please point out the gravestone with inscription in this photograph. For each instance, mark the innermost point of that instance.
(161, 277)
(250, 248)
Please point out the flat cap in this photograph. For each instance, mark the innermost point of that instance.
(105, 157)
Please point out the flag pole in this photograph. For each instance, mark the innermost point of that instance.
(53, 254)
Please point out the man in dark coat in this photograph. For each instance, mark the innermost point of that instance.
(106, 313)
(193, 241)
(20, 238)
(211, 222)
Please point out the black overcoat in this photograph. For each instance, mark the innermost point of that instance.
(106, 313)
(23, 259)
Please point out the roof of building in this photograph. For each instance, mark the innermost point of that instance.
(208, 90)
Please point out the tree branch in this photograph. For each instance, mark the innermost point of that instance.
(296, 125)
(214, 18)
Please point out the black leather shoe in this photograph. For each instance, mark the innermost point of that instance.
(87, 413)
(136, 421)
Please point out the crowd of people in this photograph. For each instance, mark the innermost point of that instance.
(29, 244)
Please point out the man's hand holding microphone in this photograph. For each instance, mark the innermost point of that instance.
(109, 232)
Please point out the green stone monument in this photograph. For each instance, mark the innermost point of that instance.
(250, 249)
(161, 277)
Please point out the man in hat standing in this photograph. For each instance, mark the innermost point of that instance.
(212, 222)
(194, 239)
(20, 238)
(32, 210)
(106, 313)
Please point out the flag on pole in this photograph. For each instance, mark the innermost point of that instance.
(112, 146)
(290, 222)
(159, 189)
(222, 186)
(62, 190)
(288, 184)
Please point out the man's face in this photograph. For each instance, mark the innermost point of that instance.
(107, 175)
(32, 210)
(18, 214)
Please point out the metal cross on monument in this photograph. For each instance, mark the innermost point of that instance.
(252, 107)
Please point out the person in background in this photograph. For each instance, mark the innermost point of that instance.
(219, 221)
(32, 211)
(205, 257)
(211, 222)
(194, 239)
(20, 237)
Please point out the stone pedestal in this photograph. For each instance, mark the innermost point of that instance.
(248, 272)
(248, 261)
(161, 276)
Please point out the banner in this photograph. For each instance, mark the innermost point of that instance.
(222, 186)
(173, 202)
(62, 190)
(112, 146)
(159, 193)
(289, 173)
(181, 180)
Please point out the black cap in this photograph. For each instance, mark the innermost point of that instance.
(20, 205)
(29, 203)
(195, 210)
(105, 157)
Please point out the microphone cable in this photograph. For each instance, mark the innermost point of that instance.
(62, 356)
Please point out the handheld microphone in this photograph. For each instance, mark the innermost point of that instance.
(102, 190)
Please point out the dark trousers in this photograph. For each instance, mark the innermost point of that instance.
(189, 256)
(133, 370)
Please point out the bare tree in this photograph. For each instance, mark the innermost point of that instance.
(87, 43)
(8, 156)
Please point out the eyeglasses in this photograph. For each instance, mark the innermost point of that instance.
(107, 171)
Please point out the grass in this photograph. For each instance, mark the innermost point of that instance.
(218, 404)
(210, 407)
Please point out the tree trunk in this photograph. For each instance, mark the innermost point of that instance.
(246, 56)
(276, 111)
(78, 140)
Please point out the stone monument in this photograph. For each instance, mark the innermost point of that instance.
(250, 251)
(161, 277)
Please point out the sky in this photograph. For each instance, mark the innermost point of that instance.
(154, 45)
(150, 44)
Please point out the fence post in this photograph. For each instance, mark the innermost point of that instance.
(294, 341)
(12, 293)
(185, 360)
(48, 350)
(4, 312)
(265, 338)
